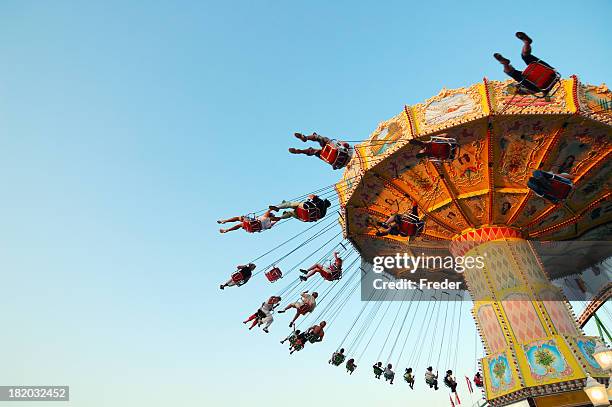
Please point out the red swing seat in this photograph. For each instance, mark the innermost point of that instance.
(560, 189)
(274, 274)
(335, 154)
(540, 76)
(304, 309)
(237, 277)
(442, 149)
(308, 212)
(251, 225)
(410, 225)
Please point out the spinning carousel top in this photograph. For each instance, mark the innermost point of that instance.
(484, 160)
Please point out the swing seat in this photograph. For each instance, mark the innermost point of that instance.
(335, 275)
(410, 225)
(274, 274)
(337, 359)
(308, 212)
(441, 149)
(539, 76)
(251, 225)
(304, 309)
(557, 188)
(350, 368)
(336, 154)
(478, 383)
(389, 376)
(237, 277)
(312, 338)
(378, 371)
(560, 187)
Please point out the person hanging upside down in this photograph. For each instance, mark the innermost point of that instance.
(439, 148)
(403, 225)
(331, 273)
(240, 277)
(527, 57)
(409, 377)
(431, 379)
(251, 225)
(478, 380)
(378, 370)
(337, 358)
(296, 341)
(338, 154)
(263, 316)
(310, 210)
(350, 365)
(450, 381)
(389, 373)
(307, 304)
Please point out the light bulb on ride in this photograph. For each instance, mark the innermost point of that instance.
(596, 392)
(603, 356)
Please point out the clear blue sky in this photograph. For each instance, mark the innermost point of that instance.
(127, 129)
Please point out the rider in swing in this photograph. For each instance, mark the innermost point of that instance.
(313, 202)
(331, 273)
(263, 222)
(527, 57)
(306, 304)
(341, 150)
(242, 275)
(398, 225)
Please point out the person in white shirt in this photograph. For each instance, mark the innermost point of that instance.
(389, 373)
(431, 379)
(261, 223)
(307, 304)
(263, 316)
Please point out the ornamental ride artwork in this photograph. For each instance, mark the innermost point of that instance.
(479, 203)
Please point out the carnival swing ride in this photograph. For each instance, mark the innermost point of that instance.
(518, 174)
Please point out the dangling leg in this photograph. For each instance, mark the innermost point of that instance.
(252, 317)
(297, 315)
(267, 321)
(235, 227)
(526, 51)
(234, 219)
(323, 141)
(255, 322)
(307, 151)
(229, 283)
(289, 306)
(509, 69)
(310, 272)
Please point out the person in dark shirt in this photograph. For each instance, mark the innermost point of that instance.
(242, 275)
(295, 207)
(403, 225)
(338, 154)
(450, 381)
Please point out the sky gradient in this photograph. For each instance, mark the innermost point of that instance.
(126, 130)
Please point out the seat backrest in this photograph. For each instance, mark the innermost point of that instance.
(308, 212)
(539, 75)
(329, 153)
